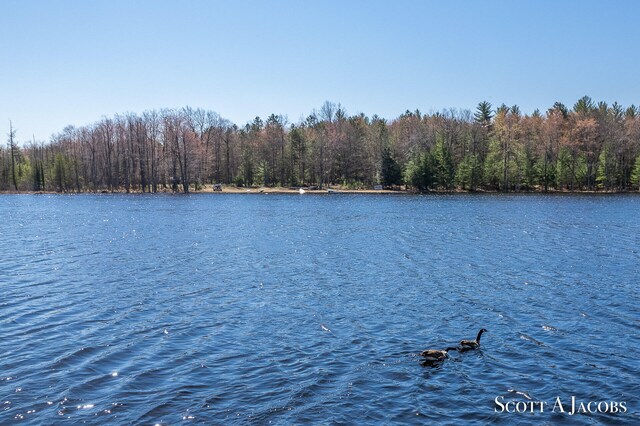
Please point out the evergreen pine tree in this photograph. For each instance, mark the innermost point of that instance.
(391, 171)
(635, 174)
(444, 167)
(483, 114)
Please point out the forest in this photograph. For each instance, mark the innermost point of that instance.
(589, 147)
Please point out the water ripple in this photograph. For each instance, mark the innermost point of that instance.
(242, 310)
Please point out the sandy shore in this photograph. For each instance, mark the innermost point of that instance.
(208, 189)
(284, 190)
(231, 189)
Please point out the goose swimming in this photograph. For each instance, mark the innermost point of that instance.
(466, 345)
(434, 355)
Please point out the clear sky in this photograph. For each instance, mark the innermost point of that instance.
(72, 61)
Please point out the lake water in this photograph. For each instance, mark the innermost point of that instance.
(291, 309)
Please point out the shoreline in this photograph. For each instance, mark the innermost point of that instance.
(208, 189)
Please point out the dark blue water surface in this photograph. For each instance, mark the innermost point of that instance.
(292, 309)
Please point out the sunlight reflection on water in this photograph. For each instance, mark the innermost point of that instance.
(287, 309)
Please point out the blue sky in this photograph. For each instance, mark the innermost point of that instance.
(71, 62)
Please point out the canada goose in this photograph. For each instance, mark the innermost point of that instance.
(433, 355)
(472, 344)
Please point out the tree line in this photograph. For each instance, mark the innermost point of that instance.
(592, 146)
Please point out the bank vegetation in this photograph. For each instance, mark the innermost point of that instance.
(589, 147)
